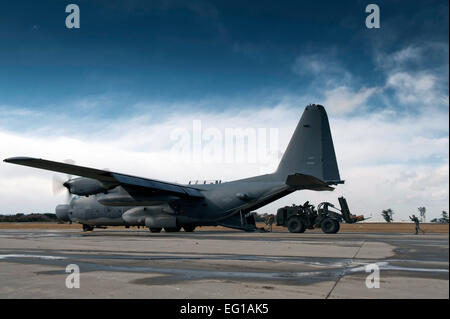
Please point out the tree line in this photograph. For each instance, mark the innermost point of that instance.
(35, 217)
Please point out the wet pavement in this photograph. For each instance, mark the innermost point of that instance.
(209, 264)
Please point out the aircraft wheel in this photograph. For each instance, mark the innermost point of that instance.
(87, 227)
(295, 225)
(172, 229)
(189, 228)
(330, 226)
(155, 229)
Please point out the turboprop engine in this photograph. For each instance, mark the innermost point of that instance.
(83, 186)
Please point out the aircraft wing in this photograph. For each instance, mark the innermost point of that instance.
(127, 181)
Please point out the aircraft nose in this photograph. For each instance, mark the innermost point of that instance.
(62, 212)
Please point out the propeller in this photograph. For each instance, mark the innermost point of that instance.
(58, 187)
(58, 184)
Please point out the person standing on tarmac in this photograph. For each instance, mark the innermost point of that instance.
(416, 221)
(269, 221)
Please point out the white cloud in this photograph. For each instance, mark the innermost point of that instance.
(343, 100)
(8, 111)
(417, 74)
(416, 88)
(314, 64)
(399, 59)
(322, 67)
(415, 55)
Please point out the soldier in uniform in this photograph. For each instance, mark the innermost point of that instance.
(416, 221)
(269, 221)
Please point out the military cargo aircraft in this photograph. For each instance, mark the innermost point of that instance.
(108, 198)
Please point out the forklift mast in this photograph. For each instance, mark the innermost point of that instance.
(348, 217)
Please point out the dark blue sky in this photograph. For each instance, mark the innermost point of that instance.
(133, 51)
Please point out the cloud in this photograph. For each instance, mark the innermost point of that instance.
(343, 100)
(398, 59)
(417, 75)
(323, 67)
(412, 77)
(9, 111)
(416, 88)
(339, 89)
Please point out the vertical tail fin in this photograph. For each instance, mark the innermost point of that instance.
(310, 150)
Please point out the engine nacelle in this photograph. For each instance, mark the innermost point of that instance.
(62, 212)
(161, 221)
(136, 216)
(149, 216)
(83, 186)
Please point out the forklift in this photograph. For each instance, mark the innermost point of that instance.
(298, 218)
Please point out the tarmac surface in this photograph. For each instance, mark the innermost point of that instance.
(221, 264)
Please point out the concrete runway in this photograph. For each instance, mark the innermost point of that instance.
(221, 264)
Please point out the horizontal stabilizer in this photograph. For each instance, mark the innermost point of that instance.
(302, 181)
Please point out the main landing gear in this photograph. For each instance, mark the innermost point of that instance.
(88, 227)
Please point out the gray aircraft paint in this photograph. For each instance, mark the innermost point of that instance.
(308, 163)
